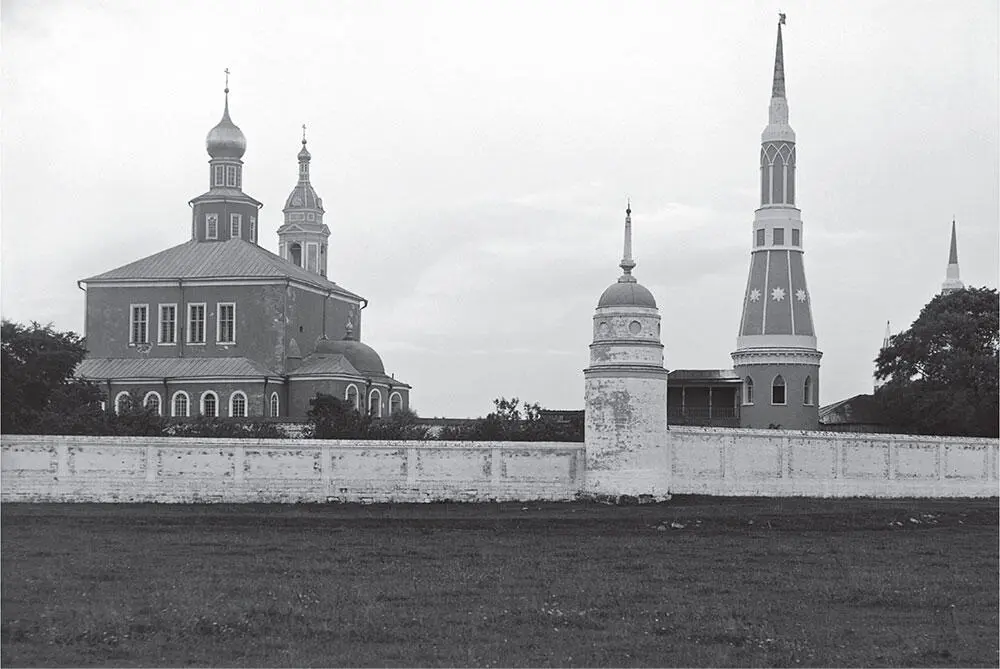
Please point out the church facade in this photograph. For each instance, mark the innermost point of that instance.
(219, 326)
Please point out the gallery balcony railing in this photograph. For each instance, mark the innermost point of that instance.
(704, 416)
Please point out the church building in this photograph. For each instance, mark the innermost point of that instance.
(218, 326)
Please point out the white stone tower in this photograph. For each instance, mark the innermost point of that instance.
(951, 282)
(302, 239)
(776, 348)
(626, 390)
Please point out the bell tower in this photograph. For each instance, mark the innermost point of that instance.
(303, 237)
(776, 352)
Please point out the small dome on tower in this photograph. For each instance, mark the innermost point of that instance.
(627, 294)
(226, 140)
(304, 153)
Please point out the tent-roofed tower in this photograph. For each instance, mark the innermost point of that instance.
(225, 211)
(776, 352)
(951, 282)
(303, 237)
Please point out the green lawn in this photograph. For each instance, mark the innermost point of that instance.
(744, 582)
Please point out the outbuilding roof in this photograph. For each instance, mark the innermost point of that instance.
(233, 258)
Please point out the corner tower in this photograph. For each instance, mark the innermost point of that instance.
(625, 395)
(303, 237)
(225, 212)
(776, 348)
(951, 281)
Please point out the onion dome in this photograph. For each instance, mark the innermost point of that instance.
(627, 292)
(226, 140)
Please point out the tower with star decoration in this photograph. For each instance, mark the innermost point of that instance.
(776, 352)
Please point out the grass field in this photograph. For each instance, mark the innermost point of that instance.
(693, 582)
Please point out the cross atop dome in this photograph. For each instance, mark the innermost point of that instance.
(628, 262)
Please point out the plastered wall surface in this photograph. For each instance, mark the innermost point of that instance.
(711, 461)
(174, 469)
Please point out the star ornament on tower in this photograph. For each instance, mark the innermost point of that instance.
(754, 295)
(800, 295)
(778, 294)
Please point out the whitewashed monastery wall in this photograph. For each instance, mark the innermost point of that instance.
(710, 461)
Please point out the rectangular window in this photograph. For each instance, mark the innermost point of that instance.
(760, 237)
(796, 237)
(168, 324)
(220, 175)
(235, 225)
(231, 175)
(139, 324)
(211, 226)
(779, 236)
(253, 229)
(312, 252)
(196, 324)
(226, 323)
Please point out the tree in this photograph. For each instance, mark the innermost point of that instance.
(40, 394)
(942, 373)
(332, 418)
(514, 420)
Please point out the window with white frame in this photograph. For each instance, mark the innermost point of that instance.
(209, 404)
(796, 237)
(168, 324)
(196, 323)
(807, 391)
(395, 403)
(375, 403)
(235, 225)
(211, 226)
(748, 390)
(238, 405)
(352, 397)
(226, 323)
(152, 402)
(220, 175)
(123, 402)
(180, 405)
(138, 324)
(231, 175)
(275, 405)
(778, 390)
(253, 229)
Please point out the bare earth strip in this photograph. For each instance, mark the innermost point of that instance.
(693, 582)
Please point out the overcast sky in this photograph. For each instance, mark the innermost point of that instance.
(474, 159)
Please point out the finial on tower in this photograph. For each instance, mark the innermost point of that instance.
(303, 133)
(627, 263)
(225, 112)
(953, 253)
(952, 282)
(888, 335)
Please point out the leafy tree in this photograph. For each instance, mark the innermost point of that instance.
(942, 373)
(332, 418)
(40, 394)
(514, 420)
(403, 424)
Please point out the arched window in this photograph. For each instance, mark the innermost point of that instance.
(152, 401)
(238, 405)
(352, 397)
(807, 391)
(778, 390)
(123, 401)
(295, 253)
(395, 403)
(209, 404)
(748, 391)
(181, 405)
(375, 403)
(275, 404)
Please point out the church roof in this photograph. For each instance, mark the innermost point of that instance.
(337, 364)
(99, 369)
(233, 258)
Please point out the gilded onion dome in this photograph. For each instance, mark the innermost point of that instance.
(226, 140)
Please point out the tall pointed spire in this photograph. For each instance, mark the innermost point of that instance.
(952, 282)
(778, 85)
(888, 335)
(628, 262)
